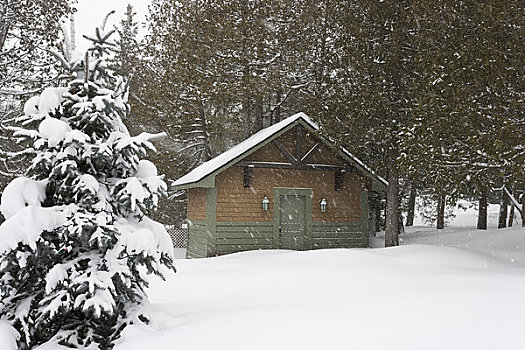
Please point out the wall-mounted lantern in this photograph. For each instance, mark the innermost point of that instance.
(322, 204)
(265, 203)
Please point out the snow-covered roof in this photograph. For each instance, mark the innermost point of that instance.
(244, 148)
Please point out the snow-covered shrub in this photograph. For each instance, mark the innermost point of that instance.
(77, 248)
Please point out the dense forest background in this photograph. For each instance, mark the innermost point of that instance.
(428, 93)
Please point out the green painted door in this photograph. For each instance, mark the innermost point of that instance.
(292, 226)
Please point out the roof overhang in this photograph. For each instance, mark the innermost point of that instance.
(204, 174)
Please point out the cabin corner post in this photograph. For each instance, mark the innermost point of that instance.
(276, 219)
(188, 233)
(211, 218)
(364, 219)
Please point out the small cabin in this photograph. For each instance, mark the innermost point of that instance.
(286, 187)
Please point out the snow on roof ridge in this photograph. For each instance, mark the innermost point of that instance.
(222, 159)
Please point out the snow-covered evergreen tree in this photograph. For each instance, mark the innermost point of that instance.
(76, 248)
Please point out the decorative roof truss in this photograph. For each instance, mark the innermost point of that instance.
(297, 161)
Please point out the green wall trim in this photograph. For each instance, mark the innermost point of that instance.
(336, 224)
(198, 222)
(206, 182)
(338, 235)
(277, 192)
(244, 223)
(244, 241)
(197, 239)
(364, 218)
(247, 231)
(324, 234)
(233, 236)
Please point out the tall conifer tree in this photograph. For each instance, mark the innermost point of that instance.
(77, 247)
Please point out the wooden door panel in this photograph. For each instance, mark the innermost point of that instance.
(292, 222)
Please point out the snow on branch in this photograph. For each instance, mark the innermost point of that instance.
(60, 58)
(513, 200)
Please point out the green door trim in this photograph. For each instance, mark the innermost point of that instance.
(280, 191)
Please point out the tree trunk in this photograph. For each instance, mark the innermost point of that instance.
(379, 224)
(5, 25)
(277, 112)
(502, 220)
(511, 213)
(523, 208)
(482, 211)
(205, 135)
(246, 118)
(440, 224)
(392, 207)
(400, 225)
(72, 34)
(259, 110)
(411, 206)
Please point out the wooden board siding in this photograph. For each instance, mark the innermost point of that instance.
(198, 235)
(197, 204)
(229, 218)
(325, 155)
(236, 203)
(240, 236)
(270, 152)
(338, 235)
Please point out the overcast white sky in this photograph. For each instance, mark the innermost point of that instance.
(90, 14)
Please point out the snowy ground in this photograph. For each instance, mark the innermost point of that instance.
(456, 289)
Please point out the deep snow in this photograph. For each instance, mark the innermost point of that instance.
(456, 289)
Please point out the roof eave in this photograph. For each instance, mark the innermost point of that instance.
(206, 182)
(209, 180)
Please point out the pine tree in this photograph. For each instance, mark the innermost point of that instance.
(127, 48)
(370, 110)
(467, 97)
(29, 30)
(76, 248)
(219, 71)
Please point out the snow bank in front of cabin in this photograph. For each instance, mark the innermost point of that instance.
(507, 245)
(409, 297)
